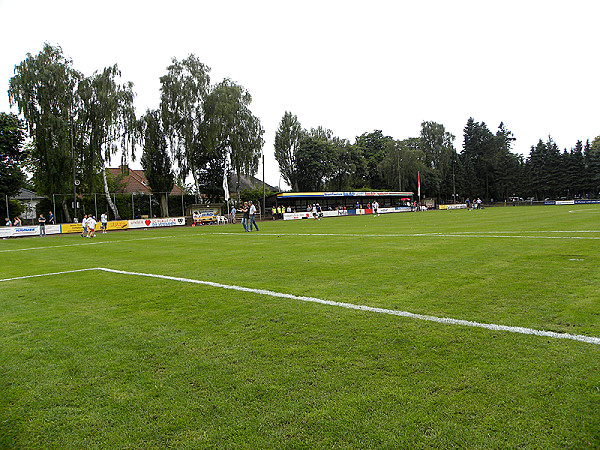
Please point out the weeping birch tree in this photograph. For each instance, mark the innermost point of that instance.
(234, 132)
(208, 125)
(44, 89)
(183, 92)
(108, 123)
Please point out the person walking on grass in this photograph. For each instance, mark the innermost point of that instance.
(245, 216)
(91, 225)
(252, 213)
(84, 226)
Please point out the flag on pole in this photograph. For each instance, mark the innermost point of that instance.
(419, 186)
(225, 184)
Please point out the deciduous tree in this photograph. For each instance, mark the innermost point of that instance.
(44, 89)
(106, 118)
(287, 141)
(12, 154)
(155, 158)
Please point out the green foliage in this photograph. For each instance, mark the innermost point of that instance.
(287, 141)
(208, 125)
(106, 117)
(43, 88)
(439, 157)
(239, 138)
(255, 195)
(12, 154)
(315, 159)
(373, 147)
(155, 157)
(184, 90)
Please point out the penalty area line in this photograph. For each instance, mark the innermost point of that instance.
(393, 312)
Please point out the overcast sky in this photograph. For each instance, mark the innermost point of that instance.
(350, 66)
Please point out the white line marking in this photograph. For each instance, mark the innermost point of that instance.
(442, 320)
(49, 274)
(85, 243)
(513, 236)
(584, 210)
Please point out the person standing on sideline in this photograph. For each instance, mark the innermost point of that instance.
(42, 222)
(245, 216)
(17, 222)
(50, 218)
(232, 213)
(375, 208)
(252, 213)
(103, 222)
(84, 226)
(8, 222)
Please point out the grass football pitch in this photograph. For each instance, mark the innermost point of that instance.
(443, 329)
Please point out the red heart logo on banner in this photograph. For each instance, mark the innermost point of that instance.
(148, 222)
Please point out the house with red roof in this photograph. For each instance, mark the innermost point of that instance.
(135, 181)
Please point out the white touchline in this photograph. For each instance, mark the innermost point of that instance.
(443, 320)
(435, 235)
(84, 243)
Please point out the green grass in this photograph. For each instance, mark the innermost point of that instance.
(103, 360)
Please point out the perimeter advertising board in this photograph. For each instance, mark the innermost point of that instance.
(345, 212)
(205, 214)
(153, 223)
(77, 228)
(34, 230)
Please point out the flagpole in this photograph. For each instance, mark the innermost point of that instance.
(419, 187)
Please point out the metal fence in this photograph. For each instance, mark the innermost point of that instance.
(129, 206)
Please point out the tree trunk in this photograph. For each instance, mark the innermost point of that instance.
(66, 211)
(164, 205)
(107, 194)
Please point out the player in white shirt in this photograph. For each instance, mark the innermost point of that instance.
(103, 221)
(91, 225)
(84, 226)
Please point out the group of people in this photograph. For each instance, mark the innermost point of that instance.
(15, 223)
(88, 225)
(477, 204)
(316, 209)
(278, 211)
(248, 216)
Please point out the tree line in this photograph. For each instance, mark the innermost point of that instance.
(77, 123)
(486, 167)
(205, 131)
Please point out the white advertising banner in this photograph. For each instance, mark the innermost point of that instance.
(343, 212)
(33, 230)
(152, 223)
